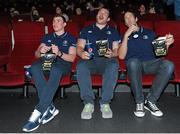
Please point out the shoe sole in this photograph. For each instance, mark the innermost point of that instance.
(87, 118)
(152, 112)
(54, 114)
(139, 115)
(25, 130)
(107, 117)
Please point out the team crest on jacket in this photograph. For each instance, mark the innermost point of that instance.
(145, 37)
(108, 32)
(65, 43)
(89, 31)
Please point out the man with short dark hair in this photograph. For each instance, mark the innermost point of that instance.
(137, 49)
(63, 46)
(98, 48)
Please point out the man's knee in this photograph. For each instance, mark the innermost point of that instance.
(133, 64)
(169, 66)
(36, 66)
(113, 67)
(81, 66)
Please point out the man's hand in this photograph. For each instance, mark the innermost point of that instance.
(85, 55)
(131, 29)
(55, 49)
(169, 39)
(44, 49)
(109, 53)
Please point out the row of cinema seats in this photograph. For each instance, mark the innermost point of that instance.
(14, 55)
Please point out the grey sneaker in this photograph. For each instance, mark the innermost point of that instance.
(154, 110)
(139, 110)
(87, 111)
(106, 111)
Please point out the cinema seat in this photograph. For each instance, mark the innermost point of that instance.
(27, 36)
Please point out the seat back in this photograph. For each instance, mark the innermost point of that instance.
(27, 36)
(5, 39)
(166, 27)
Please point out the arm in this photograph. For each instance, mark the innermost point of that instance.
(169, 40)
(124, 45)
(114, 52)
(41, 49)
(67, 57)
(80, 49)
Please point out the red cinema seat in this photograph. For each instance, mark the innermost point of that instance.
(5, 45)
(153, 17)
(27, 37)
(79, 19)
(122, 78)
(166, 27)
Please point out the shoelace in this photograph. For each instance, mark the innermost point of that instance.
(153, 106)
(87, 108)
(140, 107)
(106, 108)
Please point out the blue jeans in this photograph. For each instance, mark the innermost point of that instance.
(99, 65)
(163, 70)
(47, 88)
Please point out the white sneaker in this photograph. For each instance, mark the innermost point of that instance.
(139, 110)
(106, 111)
(154, 110)
(87, 111)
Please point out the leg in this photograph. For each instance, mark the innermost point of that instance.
(38, 76)
(110, 76)
(84, 70)
(51, 87)
(134, 67)
(163, 70)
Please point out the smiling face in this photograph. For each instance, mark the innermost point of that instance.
(130, 19)
(103, 16)
(58, 24)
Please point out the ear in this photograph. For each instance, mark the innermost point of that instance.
(108, 19)
(65, 24)
(136, 19)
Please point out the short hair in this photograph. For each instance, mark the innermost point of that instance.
(134, 12)
(107, 8)
(58, 15)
